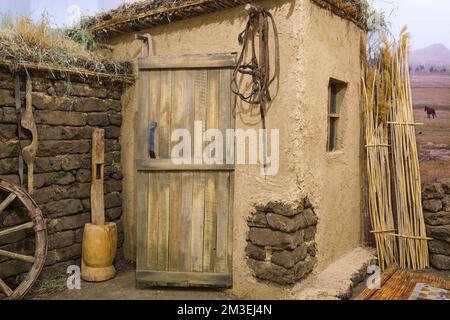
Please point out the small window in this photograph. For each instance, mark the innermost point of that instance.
(336, 92)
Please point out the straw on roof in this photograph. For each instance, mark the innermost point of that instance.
(143, 14)
(29, 45)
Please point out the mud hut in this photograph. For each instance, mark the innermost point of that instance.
(227, 225)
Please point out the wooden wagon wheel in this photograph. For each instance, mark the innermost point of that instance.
(38, 225)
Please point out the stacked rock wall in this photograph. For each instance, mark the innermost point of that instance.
(65, 113)
(436, 205)
(281, 244)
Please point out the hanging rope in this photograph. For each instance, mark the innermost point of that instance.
(259, 66)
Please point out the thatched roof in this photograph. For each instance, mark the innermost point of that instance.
(35, 46)
(143, 14)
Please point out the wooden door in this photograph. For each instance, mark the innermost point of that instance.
(184, 212)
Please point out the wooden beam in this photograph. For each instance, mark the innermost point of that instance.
(24, 226)
(17, 256)
(168, 165)
(97, 184)
(7, 202)
(5, 288)
(188, 61)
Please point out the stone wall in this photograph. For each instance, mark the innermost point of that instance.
(281, 244)
(65, 114)
(436, 205)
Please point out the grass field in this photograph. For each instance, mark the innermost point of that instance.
(433, 138)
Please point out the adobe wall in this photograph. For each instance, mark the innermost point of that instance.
(315, 45)
(65, 113)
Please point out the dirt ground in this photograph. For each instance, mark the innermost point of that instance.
(433, 137)
(122, 287)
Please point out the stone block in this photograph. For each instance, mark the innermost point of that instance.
(275, 239)
(46, 132)
(433, 191)
(439, 232)
(446, 186)
(63, 207)
(437, 218)
(115, 119)
(286, 224)
(41, 101)
(432, 205)
(257, 220)
(9, 165)
(98, 119)
(289, 259)
(60, 118)
(61, 240)
(446, 203)
(255, 252)
(84, 175)
(310, 217)
(7, 98)
(8, 115)
(439, 247)
(112, 132)
(113, 200)
(309, 234)
(70, 223)
(440, 262)
(63, 147)
(113, 214)
(8, 131)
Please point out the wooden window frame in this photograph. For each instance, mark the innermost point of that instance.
(333, 139)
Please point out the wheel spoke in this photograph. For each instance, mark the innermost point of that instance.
(24, 226)
(16, 256)
(7, 201)
(4, 287)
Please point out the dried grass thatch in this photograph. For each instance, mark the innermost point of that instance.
(25, 44)
(144, 14)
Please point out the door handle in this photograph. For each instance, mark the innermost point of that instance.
(153, 127)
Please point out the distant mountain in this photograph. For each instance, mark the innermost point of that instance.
(434, 55)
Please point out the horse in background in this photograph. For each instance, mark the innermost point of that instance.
(431, 113)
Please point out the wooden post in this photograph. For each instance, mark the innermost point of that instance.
(98, 168)
(29, 152)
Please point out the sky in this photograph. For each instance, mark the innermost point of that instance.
(427, 20)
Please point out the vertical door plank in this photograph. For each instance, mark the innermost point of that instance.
(142, 116)
(198, 214)
(164, 213)
(175, 243)
(198, 194)
(210, 223)
(230, 239)
(177, 122)
(222, 222)
(222, 177)
(153, 194)
(210, 228)
(165, 114)
(154, 105)
(186, 222)
(153, 220)
(231, 154)
(186, 200)
(200, 106)
(142, 219)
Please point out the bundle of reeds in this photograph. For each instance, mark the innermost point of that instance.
(377, 98)
(413, 246)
